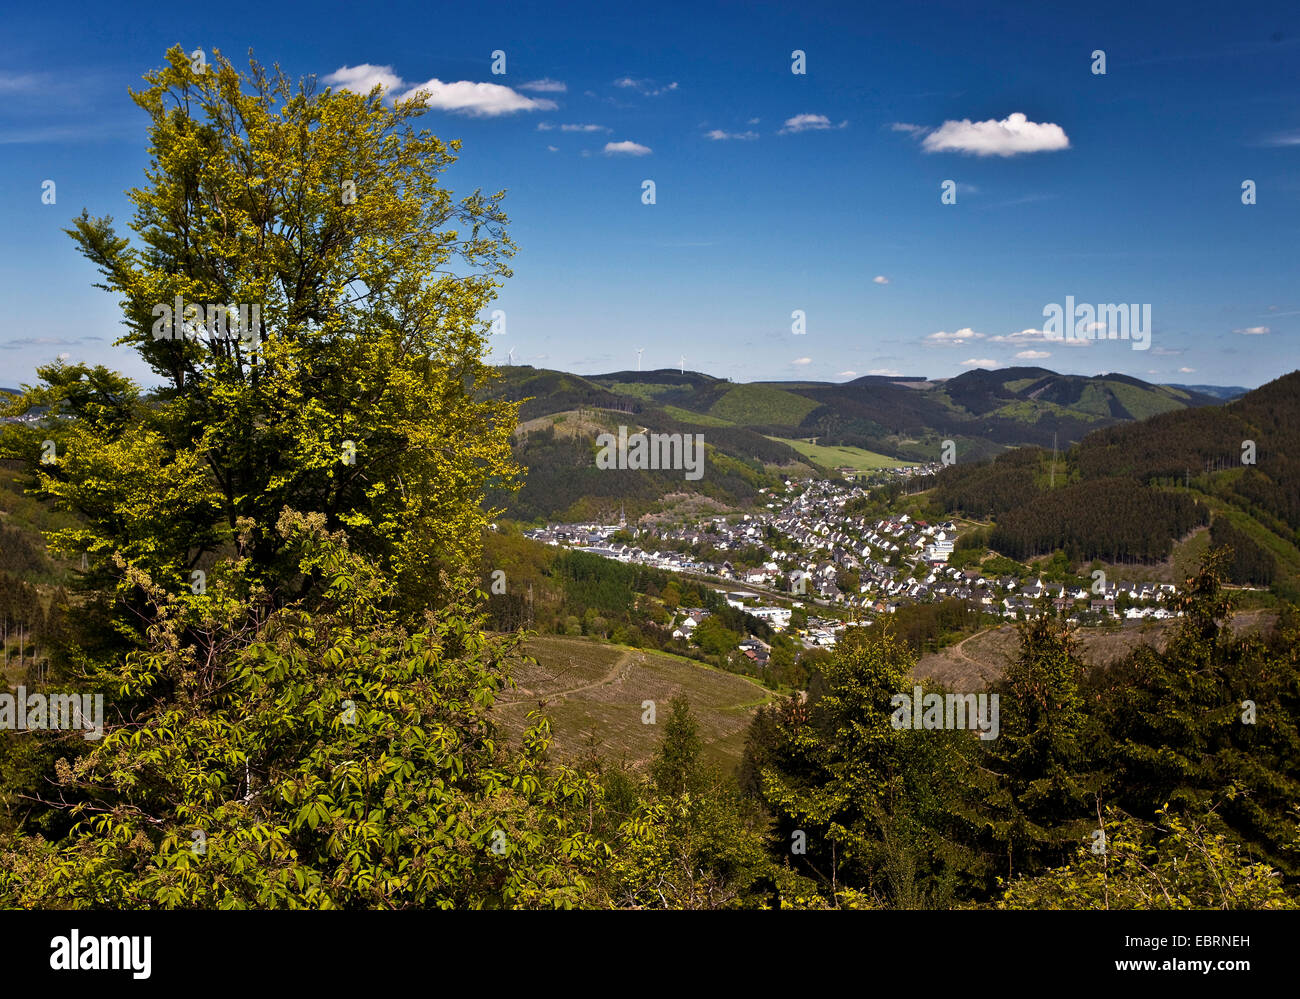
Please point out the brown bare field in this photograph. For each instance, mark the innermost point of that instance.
(569, 424)
(975, 662)
(593, 693)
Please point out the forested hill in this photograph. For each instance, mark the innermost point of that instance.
(902, 417)
(747, 426)
(1125, 492)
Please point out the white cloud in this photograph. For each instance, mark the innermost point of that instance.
(583, 128)
(979, 362)
(1011, 136)
(802, 360)
(957, 337)
(478, 100)
(753, 121)
(364, 78)
(1253, 330)
(847, 374)
(544, 126)
(545, 86)
(880, 279)
(1033, 355)
(719, 135)
(1186, 371)
(808, 123)
(552, 149)
(901, 126)
(627, 147)
(885, 372)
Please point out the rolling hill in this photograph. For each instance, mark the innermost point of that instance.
(753, 430)
(1126, 492)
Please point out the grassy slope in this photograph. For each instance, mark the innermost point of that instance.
(1142, 403)
(702, 419)
(592, 688)
(762, 405)
(837, 456)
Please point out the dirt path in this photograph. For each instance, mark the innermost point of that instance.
(954, 666)
(958, 650)
(619, 671)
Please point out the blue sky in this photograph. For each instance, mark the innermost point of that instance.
(1123, 187)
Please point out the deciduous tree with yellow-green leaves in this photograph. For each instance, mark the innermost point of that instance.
(350, 385)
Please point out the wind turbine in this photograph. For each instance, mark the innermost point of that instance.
(639, 352)
(511, 354)
(683, 364)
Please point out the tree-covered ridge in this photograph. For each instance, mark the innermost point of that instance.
(1125, 493)
(986, 411)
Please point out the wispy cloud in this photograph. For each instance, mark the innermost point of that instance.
(1254, 330)
(808, 123)
(1283, 139)
(802, 361)
(1035, 337)
(718, 135)
(646, 88)
(19, 83)
(90, 131)
(47, 341)
(880, 279)
(545, 86)
(979, 362)
(1024, 199)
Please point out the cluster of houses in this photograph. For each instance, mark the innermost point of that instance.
(819, 631)
(807, 546)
